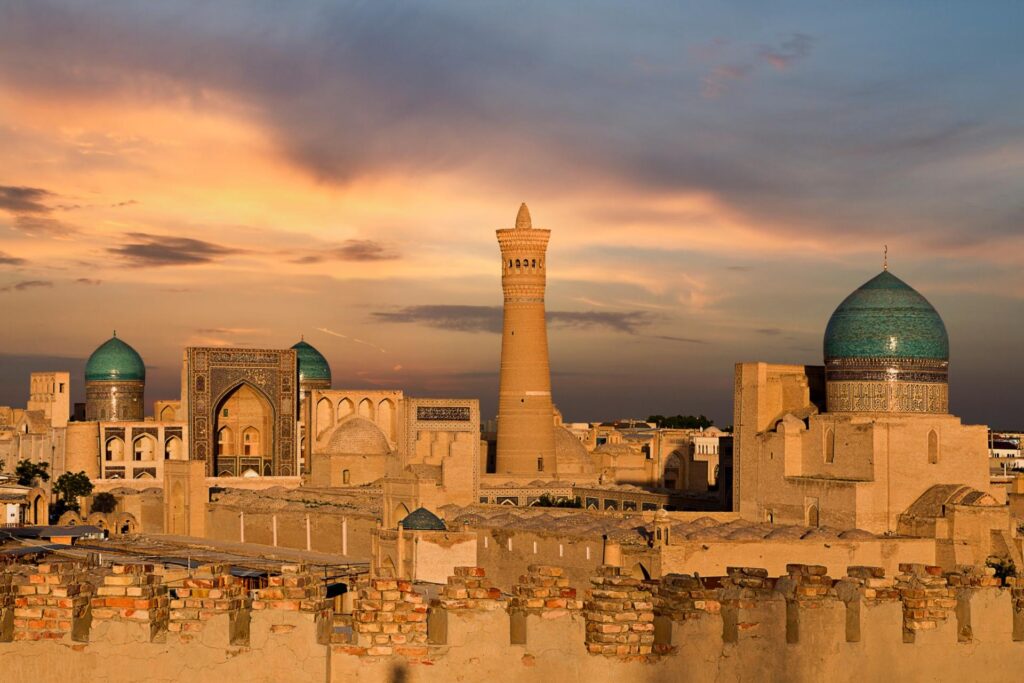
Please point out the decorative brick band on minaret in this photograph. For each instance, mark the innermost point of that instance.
(526, 435)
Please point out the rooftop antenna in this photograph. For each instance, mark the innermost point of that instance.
(885, 258)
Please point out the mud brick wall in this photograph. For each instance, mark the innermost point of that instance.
(682, 596)
(295, 589)
(927, 598)
(619, 614)
(390, 618)
(133, 592)
(206, 592)
(544, 590)
(469, 588)
(48, 600)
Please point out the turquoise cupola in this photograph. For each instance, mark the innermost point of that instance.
(886, 318)
(886, 351)
(313, 367)
(114, 361)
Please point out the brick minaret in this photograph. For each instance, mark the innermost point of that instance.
(526, 437)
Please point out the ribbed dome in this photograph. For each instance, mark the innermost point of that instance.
(115, 361)
(570, 455)
(422, 519)
(357, 436)
(312, 364)
(886, 318)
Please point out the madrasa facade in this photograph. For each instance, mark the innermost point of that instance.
(255, 418)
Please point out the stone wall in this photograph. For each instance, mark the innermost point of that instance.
(920, 624)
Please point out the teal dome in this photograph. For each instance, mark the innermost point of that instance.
(886, 318)
(312, 364)
(422, 519)
(115, 361)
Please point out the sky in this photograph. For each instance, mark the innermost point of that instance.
(716, 177)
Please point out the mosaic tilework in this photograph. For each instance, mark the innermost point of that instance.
(886, 317)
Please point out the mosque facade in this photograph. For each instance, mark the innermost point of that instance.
(861, 441)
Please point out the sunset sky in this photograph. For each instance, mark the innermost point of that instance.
(717, 177)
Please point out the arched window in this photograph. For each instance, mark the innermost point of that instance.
(251, 441)
(172, 449)
(830, 446)
(144, 447)
(224, 445)
(812, 515)
(345, 408)
(346, 476)
(517, 263)
(510, 263)
(933, 447)
(533, 263)
(366, 408)
(114, 449)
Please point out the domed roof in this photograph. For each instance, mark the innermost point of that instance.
(312, 364)
(886, 318)
(422, 519)
(115, 361)
(357, 436)
(570, 455)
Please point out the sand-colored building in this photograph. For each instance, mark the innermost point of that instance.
(866, 441)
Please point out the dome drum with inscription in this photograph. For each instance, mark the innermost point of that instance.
(886, 350)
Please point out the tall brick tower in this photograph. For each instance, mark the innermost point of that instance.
(526, 436)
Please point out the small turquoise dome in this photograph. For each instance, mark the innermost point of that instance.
(115, 361)
(312, 364)
(422, 519)
(886, 318)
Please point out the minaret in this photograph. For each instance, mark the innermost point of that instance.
(526, 436)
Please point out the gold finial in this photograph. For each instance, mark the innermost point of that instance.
(115, 333)
(885, 258)
(523, 221)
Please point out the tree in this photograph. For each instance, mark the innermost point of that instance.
(70, 486)
(29, 472)
(549, 501)
(681, 422)
(104, 502)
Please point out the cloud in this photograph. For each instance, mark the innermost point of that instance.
(24, 199)
(682, 340)
(458, 318)
(228, 330)
(350, 250)
(8, 260)
(781, 57)
(145, 249)
(26, 284)
(769, 331)
(42, 226)
(88, 281)
(791, 50)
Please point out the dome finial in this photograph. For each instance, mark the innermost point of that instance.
(523, 221)
(115, 333)
(885, 258)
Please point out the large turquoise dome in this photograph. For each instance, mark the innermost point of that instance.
(886, 318)
(313, 366)
(115, 361)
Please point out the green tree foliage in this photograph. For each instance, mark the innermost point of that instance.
(29, 473)
(549, 501)
(681, 421)
(104, 502)
(70, 486)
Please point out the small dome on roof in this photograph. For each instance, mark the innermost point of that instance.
(422, 519)
(115, 360)
(886, 318)
(312, 364)
(570, 455)
(357, 436)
